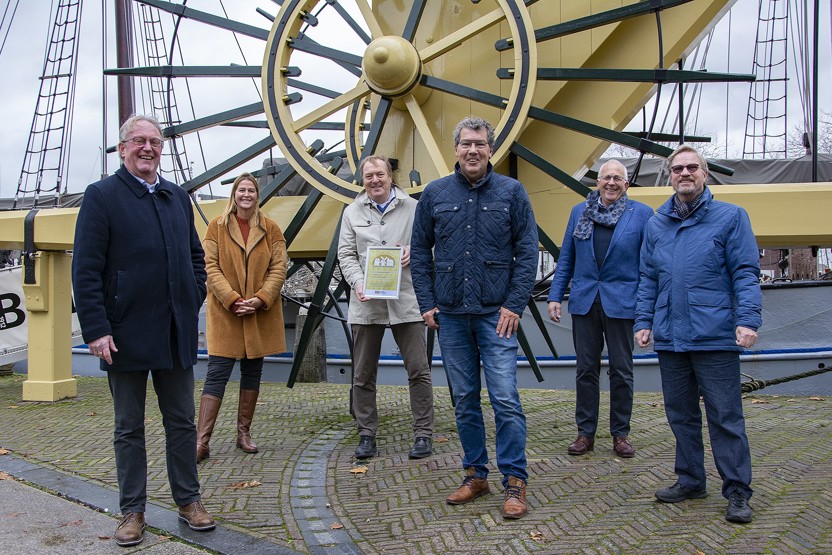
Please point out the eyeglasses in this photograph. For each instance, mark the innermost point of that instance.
(690, 167)
(155, 142)
(479, 145)
(616, 178)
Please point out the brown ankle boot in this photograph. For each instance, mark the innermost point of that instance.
(472, 487)
(515, 504)
(209, 407)
(248, 401)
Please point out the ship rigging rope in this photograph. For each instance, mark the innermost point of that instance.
(9, 24)
(756, 385)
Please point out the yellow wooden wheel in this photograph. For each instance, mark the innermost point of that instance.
(411, 73)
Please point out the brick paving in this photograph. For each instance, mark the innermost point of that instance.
(309, 500)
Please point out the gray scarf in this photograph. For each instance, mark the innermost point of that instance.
(607, 218)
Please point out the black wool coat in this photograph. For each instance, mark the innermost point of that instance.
(138, 272)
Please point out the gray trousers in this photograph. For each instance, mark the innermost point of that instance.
(410, 337)
(175, 391)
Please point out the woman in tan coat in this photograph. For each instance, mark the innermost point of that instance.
(245, 258)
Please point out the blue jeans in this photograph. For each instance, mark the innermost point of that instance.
(716, 376)
(464, 340)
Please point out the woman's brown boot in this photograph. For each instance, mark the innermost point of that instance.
(209, 407)
(245, 413)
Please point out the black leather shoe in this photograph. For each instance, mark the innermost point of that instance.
(678, 492)
(366, 448)
(738, 509)
(422, 448)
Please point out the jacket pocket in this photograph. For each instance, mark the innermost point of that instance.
(711, 315)
(447, 217)
(447, 292)
(495, 283)
(114, 297)
(661, 318)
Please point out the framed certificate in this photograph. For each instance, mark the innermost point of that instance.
(383, 273)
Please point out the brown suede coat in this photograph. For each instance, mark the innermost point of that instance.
(237, 270)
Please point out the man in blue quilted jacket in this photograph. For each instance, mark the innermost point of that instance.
(700, 297)
(474, 255)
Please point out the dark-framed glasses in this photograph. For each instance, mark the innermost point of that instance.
(690, 167)
(479, 145)
(155, 142)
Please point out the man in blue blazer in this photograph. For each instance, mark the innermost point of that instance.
(600, 255)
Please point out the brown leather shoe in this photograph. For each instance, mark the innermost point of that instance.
(197, 518)
(622, 447)
(130, 530)
(514, 505)
(581, 445)
(472, 487)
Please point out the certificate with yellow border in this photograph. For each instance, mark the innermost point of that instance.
(383, 273)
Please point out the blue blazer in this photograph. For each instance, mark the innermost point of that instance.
(617, 280)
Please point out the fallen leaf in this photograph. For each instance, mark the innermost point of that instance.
(817, 399)
(78, 522)
(359, 470)
(244, 485)
(336, 526)
(536, 536)
(440, 439)
(699, 552)
(4, 476)
(4, 451)
(103, 537)
(165, 538)
(12, 515)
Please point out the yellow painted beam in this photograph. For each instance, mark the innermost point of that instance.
(782, 215)
(49, 308)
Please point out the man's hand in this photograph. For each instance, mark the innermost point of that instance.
(554, 311)
(746, 337)
(359, 292)
(430, 318)
(103, 347)
(643, 338)
(508, 322)
(405, 256)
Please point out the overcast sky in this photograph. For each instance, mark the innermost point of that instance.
(21, 63)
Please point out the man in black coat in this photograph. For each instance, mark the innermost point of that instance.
(138, 274)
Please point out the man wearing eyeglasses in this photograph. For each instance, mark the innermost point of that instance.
(699, 296)
(138, 274)
(599, 254)
(473, 259)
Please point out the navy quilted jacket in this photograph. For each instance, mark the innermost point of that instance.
(484, 241)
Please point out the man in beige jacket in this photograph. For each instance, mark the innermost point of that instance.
(382, 215)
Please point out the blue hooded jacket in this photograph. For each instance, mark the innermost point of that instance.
(700, 278)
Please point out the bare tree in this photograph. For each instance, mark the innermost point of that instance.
(798, 144)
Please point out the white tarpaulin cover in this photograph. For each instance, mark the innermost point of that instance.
(14, 337)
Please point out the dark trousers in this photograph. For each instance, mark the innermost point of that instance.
(219, 372)
(588, 333)
(715, 375)
(410, 337)
(175, 392)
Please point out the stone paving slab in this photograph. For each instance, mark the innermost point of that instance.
(299, 493)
